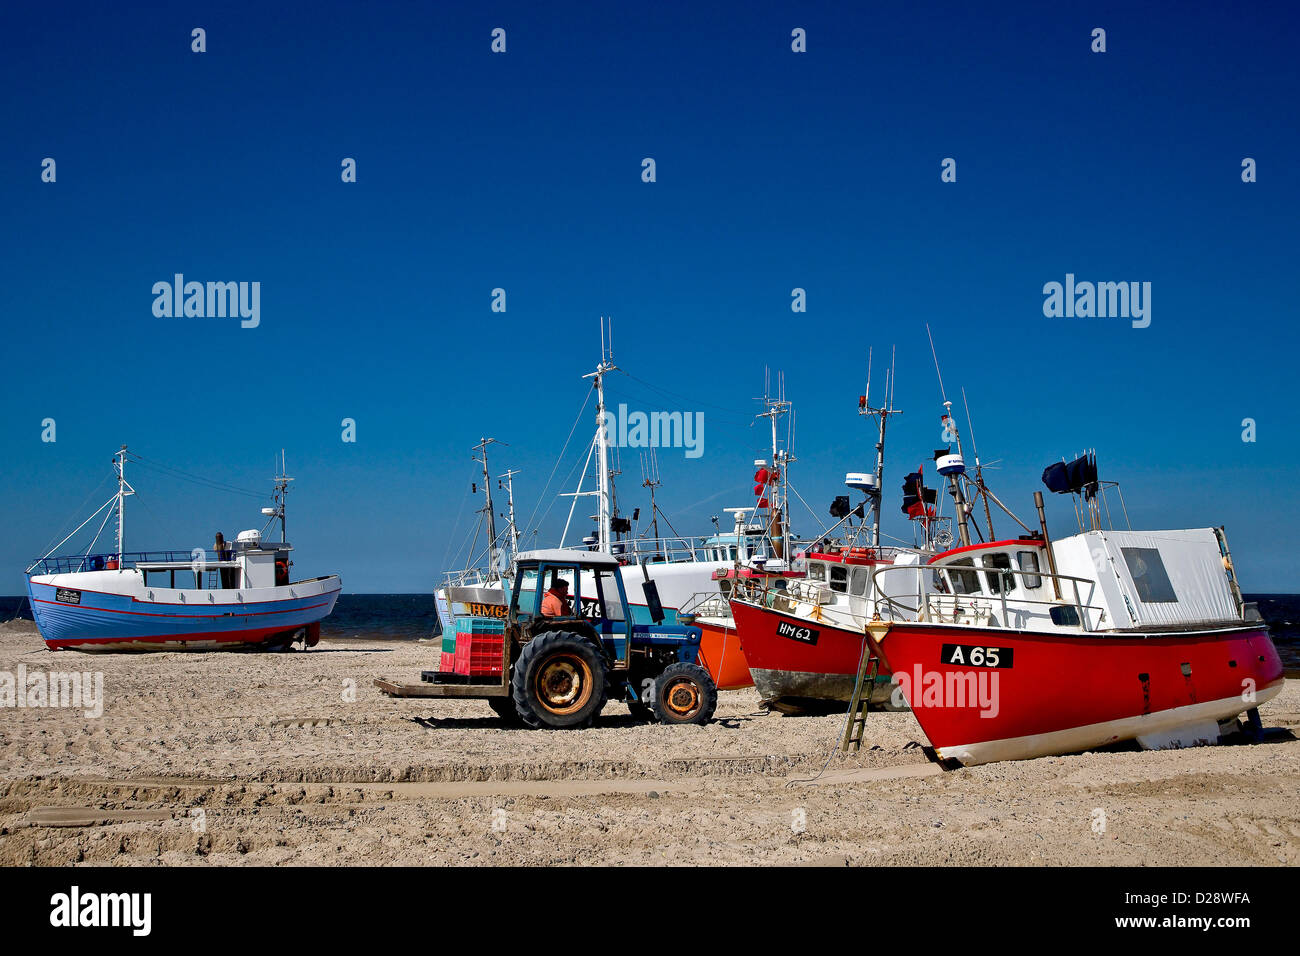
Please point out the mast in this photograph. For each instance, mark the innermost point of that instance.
(652, 481)
(512, 529)
(281, 493)
(952, 466)
(979, 470)
(602, 437)
(481, 448)
(882, 415)
(121, 500)
(778, 507)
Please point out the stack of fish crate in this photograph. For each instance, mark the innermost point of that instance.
(478, 648)
(447, 662)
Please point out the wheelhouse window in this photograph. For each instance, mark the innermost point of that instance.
(1065, 616)
(1149, 575)
(994, 565)
(816, 571)
(839, 578)
(961, 572)
(1028, 561)
(858, 583)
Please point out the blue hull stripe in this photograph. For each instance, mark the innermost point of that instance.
(118, 617)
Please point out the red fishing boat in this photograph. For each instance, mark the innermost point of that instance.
(804, 642)
(1010, 649)
(1129, 635)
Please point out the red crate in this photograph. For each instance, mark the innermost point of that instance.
(447, 663)
(479, 655)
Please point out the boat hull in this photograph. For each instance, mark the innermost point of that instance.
(1050, 694)
(722, 655)
(795, 659)
(114, 615)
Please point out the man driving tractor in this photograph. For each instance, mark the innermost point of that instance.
(556, 603)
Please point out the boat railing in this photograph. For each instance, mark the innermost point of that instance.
(659, 550)
(468, 578)
(784, 597)
(707, 604)
(929, 604)
(101, 561)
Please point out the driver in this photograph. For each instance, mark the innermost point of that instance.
(555, 603)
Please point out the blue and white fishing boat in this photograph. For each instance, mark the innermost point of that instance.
(237, 595)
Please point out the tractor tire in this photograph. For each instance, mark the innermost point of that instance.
(685, 694)
(559, 681)
(504, 707)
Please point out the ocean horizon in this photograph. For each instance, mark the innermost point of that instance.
(411, 616)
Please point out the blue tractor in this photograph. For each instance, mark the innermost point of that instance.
(571, 644)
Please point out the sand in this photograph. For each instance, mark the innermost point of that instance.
(298, 759)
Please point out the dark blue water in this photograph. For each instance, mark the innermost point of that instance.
(393, 616)
(412, 616)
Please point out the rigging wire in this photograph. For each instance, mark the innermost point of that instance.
(559, 458)
(81, 507)
(685, 398)
(446, 551)
(203, 480)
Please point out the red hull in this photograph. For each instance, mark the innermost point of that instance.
(225, 639)
(1063, 694)
(822, 664)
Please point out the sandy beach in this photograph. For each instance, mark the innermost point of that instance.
(298, 759)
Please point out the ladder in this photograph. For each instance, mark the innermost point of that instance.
(868, 664)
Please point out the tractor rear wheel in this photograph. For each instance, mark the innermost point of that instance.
(559, 681)
(685, 694)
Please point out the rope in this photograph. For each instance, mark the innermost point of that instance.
(173, 472)
(78, 511)
(559, 458)
(848, 716)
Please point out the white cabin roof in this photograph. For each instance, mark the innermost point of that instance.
(569, 556)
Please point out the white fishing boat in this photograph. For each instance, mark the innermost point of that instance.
(240, 594)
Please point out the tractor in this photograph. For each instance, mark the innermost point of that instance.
(559, 669)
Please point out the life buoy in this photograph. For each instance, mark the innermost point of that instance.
(281, 572)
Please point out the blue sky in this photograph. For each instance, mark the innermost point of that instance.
(522, 171)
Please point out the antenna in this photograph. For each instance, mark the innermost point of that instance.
(881, 415)
(942, 394)
(512, 530)
(951, 466)
(651, 480)
(282, 480)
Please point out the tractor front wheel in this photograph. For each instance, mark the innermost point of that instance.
(685, 694)
(559, 681)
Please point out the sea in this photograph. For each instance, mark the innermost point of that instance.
(411, 617)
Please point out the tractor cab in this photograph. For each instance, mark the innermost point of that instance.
(570, 644)
(561, 588)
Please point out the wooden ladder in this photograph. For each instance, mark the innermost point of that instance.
(860, 700)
